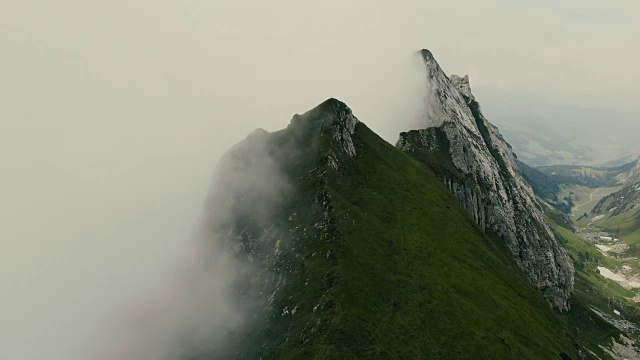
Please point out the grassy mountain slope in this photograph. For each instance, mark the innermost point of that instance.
(593, 292)
(377, 260)
(626, 226)
(619, 212)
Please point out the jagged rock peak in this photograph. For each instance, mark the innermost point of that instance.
(462, 84)
(430, 60)
(329, 112)
(435, 74)
(444, 101)
(333, 104)
(257, 133)
(333, 118)
(479, 168)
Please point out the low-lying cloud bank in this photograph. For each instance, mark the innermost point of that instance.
(115, 113)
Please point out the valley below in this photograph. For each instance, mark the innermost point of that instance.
(586, 198)
(622, 264)
(594, 210)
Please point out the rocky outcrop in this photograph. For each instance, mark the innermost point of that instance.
(333, 118)
(479, 168)
(267, 212)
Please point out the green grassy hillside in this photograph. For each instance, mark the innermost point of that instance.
(593, 291)
(626, 226)
(381, 262)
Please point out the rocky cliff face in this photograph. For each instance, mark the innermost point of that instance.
(475, 163)
(624, 200)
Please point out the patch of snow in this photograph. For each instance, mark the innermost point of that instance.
(623, 350)
(619, 278)
(620, 324)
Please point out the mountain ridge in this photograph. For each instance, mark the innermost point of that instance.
(624, 200)
(365, 253)
(478, 166)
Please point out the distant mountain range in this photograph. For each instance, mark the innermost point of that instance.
(540, 143)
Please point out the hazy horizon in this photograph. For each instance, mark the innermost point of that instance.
(114, 115)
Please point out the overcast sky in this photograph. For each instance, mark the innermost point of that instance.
(113, 115)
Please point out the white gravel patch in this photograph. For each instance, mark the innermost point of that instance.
(619, 278)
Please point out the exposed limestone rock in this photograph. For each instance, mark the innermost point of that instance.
(343, 126)
(336, 117)
(479, 168)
